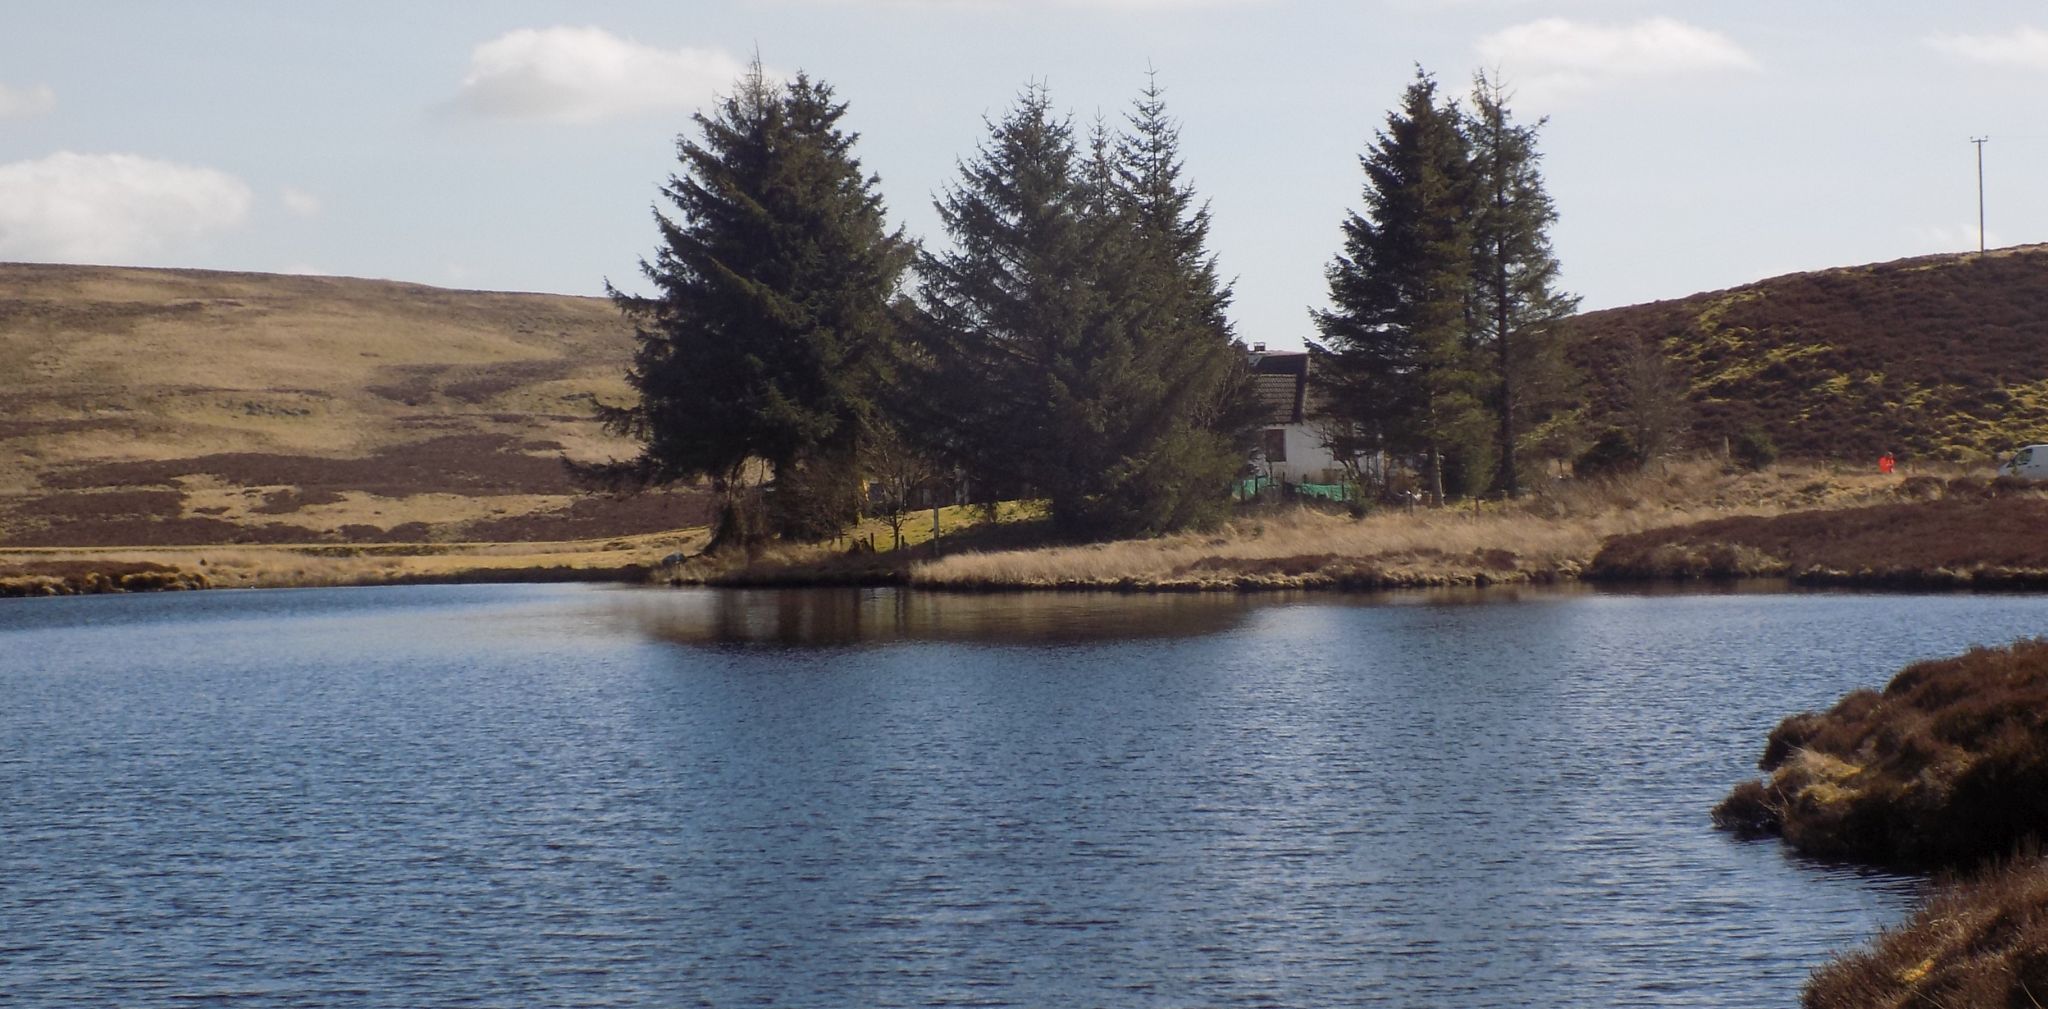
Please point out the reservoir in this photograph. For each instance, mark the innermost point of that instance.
(581, 796)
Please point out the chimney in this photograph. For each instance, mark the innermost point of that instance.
(1258, 348)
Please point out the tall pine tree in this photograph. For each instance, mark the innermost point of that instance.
(1398, 362)
(769, 326)
(1521, 313)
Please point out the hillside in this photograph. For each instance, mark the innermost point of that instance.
(173, 407)
(1937, 357)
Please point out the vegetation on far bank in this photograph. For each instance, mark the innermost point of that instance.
(91, 571)
(1962, 532)
(1551, 534)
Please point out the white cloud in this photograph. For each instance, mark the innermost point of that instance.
(22, 103)
(111, 207)
(299, 202)
(582, 75)
(1556, 56)
(2024, 48)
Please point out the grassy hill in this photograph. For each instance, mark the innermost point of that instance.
(177, 407)
(1937, 357)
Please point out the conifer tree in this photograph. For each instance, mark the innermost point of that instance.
(1521, 313)
(1074, 338)
(1398, 363)
(769, 328)
(1194, 383)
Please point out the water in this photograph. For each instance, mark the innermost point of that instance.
(538, 796)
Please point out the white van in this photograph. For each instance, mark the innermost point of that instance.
(2030, 463)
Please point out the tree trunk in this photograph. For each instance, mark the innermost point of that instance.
(1436, 475)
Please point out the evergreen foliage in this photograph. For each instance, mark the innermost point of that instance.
(1613, 452)
(1754, 450)
(1445, 340)
(1520, 313)
(769, 333)
(1074, 339)
(1398, 360)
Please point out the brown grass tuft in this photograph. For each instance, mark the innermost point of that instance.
(1949, 764)
(1981, 943)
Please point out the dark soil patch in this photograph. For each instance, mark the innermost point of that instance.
(410, 384)
(599, 517)
(479, 383)
(84, 505)
(451, 464)
(291, 499)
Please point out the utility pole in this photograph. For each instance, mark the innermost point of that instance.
(1979, 141)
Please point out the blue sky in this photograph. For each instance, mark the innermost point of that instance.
(518, 145)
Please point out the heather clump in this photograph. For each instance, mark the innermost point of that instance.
(1947, 765)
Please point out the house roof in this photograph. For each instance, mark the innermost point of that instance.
(1282, 384)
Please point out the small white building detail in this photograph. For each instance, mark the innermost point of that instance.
(1290, 450)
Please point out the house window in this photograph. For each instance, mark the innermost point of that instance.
(1276, 444)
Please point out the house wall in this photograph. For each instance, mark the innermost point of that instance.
(1308, 459)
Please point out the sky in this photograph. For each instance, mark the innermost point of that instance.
(520, 145)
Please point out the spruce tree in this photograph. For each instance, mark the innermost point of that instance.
(1521, 312)
(1073, 340)
(765, 339)
(1397, 361)
(1002, 318)
(1194, 383)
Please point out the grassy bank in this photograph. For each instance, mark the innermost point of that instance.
(1947, 765)
(1945, 768)
(1551, 535)
(1960, 532)
(62, 571)
(1815, 523)
(1979, 944)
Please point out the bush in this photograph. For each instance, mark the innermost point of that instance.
(1753, 449)
(1614, 452)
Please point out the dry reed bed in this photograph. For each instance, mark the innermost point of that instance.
(1552, 535)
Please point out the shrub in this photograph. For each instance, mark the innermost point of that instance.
(1753, 449)
(1611, 454)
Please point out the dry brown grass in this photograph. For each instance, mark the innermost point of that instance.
(1551, 535)
(65, 571)
(1981, 943)
(392, 406)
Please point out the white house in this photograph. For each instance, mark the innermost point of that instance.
(1289, 449)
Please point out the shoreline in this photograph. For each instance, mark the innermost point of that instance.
(1809, 527)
